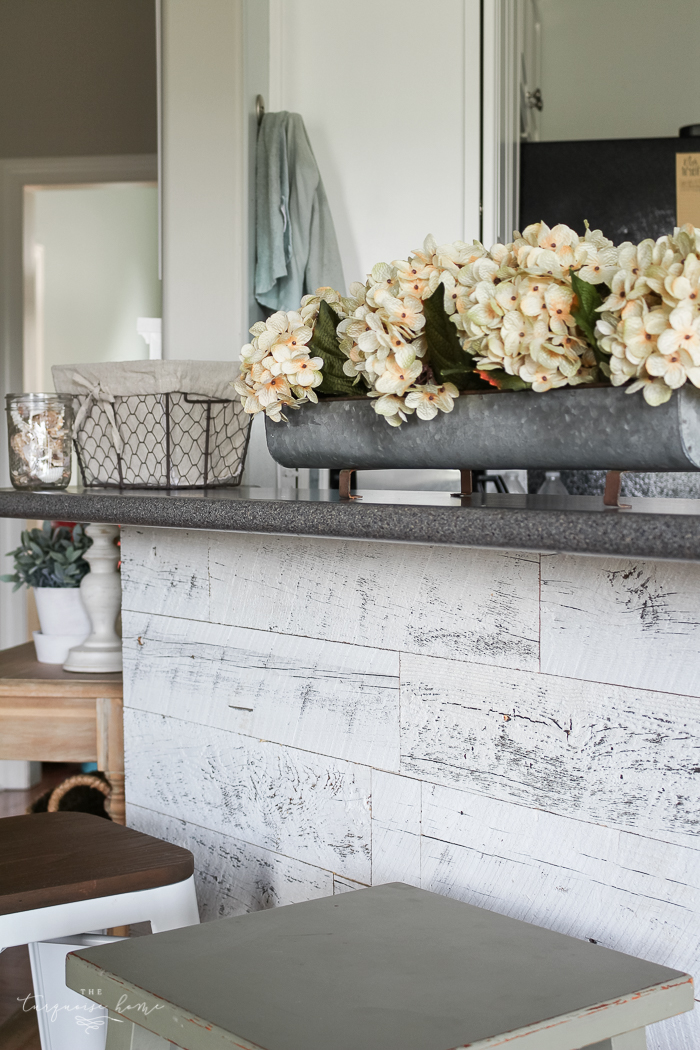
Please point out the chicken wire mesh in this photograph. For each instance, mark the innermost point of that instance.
(173, 440)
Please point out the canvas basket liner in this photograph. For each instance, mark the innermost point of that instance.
(156, 424)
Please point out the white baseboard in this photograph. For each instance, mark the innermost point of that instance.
(18, 776)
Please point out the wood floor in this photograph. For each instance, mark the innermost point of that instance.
(18, 1028)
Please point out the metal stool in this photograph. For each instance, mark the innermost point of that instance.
(65, 873)
(388, 968)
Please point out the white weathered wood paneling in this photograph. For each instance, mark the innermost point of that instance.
(327, 697)
(677, 1033)
(631, 623)
(620, 756)
(232, 876)
(341, 885)
(305, 806)
(165, 571)
(396, 828)
(567, 798)
(441, 601)
(627, 892)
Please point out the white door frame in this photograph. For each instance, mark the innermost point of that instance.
(15, 174)
(502, 22)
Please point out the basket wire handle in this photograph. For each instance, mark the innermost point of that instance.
(107, 400)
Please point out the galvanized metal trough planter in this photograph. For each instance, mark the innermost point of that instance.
(596, 428)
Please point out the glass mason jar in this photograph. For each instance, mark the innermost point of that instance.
(40, 429)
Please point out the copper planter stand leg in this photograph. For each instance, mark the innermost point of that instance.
(344, 482)
(613, 486)
(465, 484)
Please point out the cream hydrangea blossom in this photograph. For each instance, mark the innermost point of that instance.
(514, 308)
(426, 400)
(516, 312)
(276, 368)
(340, 304)
(383, 338)
(650, 322)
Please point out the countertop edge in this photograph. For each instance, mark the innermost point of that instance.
(656, 536)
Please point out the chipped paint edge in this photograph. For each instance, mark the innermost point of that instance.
(611, 1018)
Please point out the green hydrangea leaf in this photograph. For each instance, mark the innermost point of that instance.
(448, 361)
(325, 344)
(589, 297)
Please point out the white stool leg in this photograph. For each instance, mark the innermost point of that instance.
(41, 977)
(64, 1017)
(167, 908)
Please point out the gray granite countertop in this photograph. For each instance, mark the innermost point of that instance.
(648, 528)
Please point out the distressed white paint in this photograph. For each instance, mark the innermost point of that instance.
(629, 893)
(233, 876)
(334, 699)
(165, 571)
(341, 885)
(308, 807)
(567, 875)
(441, 601)
(613, 620)
(619, 756)
(677, 1033)
(535, 822)
(396, 827)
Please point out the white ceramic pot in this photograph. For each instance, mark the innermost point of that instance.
(54, 648)
(61, 611)
(64, 623)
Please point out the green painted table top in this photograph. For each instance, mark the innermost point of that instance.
(387, 968)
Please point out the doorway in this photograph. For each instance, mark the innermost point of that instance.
(90, 272)
(52, 174)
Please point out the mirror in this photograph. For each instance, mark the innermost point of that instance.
(608, 86)
(622, 70)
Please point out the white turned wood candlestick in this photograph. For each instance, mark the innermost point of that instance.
(101, 591)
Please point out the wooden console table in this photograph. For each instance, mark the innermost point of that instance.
(51, 715)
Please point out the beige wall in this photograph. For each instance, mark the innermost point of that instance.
(205, 241)
(619, 68)
(77, 77)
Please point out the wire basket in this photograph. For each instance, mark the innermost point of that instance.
(162, 441)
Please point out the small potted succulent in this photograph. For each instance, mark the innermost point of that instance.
(50, 560)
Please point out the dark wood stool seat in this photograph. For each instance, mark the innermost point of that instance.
(56, 858)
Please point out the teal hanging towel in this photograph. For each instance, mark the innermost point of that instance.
(296, 247)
